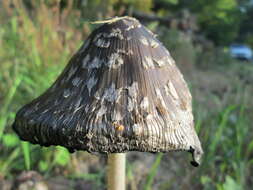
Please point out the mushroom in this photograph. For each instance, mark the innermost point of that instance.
(120, 92)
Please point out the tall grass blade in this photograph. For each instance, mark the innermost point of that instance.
(6, 165)
(26, 154)
(7, 101)
(153, 171)
(216, 137)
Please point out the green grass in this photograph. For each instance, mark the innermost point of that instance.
(226, 141)
(6, 102)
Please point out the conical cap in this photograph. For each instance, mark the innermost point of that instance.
(120, 92)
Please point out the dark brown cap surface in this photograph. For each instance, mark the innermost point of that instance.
(120, 92)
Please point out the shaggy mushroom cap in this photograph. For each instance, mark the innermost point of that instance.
(120, 92)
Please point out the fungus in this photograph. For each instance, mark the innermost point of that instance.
(120, 92)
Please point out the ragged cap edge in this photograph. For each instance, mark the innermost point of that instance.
(196, 156)
(112, 20)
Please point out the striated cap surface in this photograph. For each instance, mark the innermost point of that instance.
(120, 92)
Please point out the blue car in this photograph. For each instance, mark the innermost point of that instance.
(241, 52)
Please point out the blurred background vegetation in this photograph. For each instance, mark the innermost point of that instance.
(37, 38)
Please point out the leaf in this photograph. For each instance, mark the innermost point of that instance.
(10, 140)
(43, 165)
(62, 156)
(172, 1)
(231, 184)
(205, 179)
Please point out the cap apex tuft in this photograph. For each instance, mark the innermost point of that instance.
(114, 19)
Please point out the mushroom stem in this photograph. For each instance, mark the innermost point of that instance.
(116, 171)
